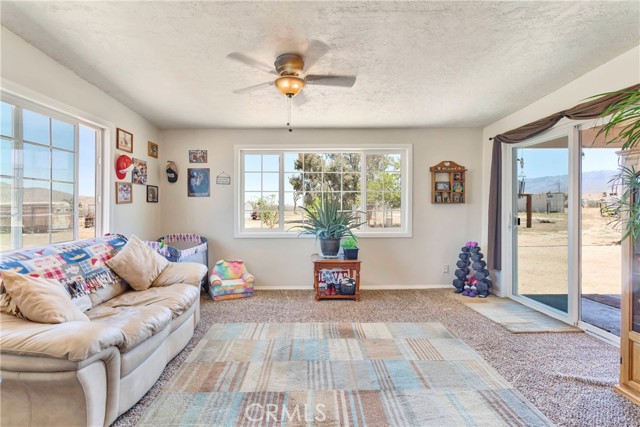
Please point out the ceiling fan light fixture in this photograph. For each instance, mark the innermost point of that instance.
(289, 85)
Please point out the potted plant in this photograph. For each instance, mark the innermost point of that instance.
(329, 224)
(350, 248)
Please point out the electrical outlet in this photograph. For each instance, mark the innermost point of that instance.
(446, 268)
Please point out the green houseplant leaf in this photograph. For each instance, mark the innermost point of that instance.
(324, 220)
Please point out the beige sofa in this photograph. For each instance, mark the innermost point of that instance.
(89, 373)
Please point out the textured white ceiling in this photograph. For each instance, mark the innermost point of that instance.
(418, 63)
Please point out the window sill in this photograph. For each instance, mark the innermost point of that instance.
(293, 235)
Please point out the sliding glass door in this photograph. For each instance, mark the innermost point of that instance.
(541, 222)
(566, 253)
(601, 254)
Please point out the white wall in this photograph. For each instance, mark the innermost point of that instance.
(30, 73)
(622, 71)
(438, 231)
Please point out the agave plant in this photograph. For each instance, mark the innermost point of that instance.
(325, 220)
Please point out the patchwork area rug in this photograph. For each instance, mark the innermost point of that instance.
(337, 374)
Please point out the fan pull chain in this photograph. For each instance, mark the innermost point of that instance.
(289, 112)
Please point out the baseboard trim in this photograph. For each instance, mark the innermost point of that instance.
(363, 287)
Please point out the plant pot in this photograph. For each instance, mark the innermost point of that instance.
(350, 253)
(330, 247)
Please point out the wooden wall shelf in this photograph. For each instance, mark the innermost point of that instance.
(448, 183)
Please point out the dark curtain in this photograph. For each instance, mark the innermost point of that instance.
(587, 110)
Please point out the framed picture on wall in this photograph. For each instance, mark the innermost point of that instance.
(152, 149)
(152, 193)
(198, 156)
(124, 140)
(442, 186)
(124, 193)
(139, 173)
(198, 182)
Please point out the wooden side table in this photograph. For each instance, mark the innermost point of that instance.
(350, 266)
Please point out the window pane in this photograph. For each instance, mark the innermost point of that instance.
(35, 198)
(5, 233)
(251, 197)
(351, 162)
(292, 162)
(332, 162)
(35, 230)
(63, 135)
(6, 197)
(270, 181)
(35, 127)
(271, 163)
(312, 181)
(36, 161)
(351, 182)
(6, 128)
(252, 181)
(252, 162)
(351, 201)
(312, 162)
(62, 199)
(61, 228)
(293, 182)
(251, 220)
(62, 166)
(6, 156)
(331, 181)
(87, 182)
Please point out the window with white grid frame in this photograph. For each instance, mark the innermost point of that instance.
(48, 177)
(277, 183)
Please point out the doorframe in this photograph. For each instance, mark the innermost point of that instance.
(570, 129)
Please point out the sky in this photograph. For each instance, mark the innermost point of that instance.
(539, 162)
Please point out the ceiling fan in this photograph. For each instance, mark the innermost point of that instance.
(290, 71)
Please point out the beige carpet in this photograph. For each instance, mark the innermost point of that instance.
(568, 377)
(514, 316)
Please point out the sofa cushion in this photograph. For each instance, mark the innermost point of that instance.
(138, 264)
(41, 300)
(181, 272)
(137, 323)
(177, 298)
(75, 341)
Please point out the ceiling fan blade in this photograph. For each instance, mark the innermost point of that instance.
(300, 99)
(253, 63)
(252, 88)
(342, 81)
(314, 52)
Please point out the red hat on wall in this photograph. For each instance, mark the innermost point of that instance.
(123, 165)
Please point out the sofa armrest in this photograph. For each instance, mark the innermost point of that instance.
(181, 272)
(248, 278)
(74, 341)
(214, 280)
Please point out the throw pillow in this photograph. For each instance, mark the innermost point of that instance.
(41, 300)
(138, 264)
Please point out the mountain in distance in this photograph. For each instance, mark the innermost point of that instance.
(592, 182)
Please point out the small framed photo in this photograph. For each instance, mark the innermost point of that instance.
(456, 198)
(438, 198)
(198, 156)
(198, 182)
(124, 193)
(152, 193)
(139, 173)
(124, 140)
(152, 149)
(442, 186)
(457, 176)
